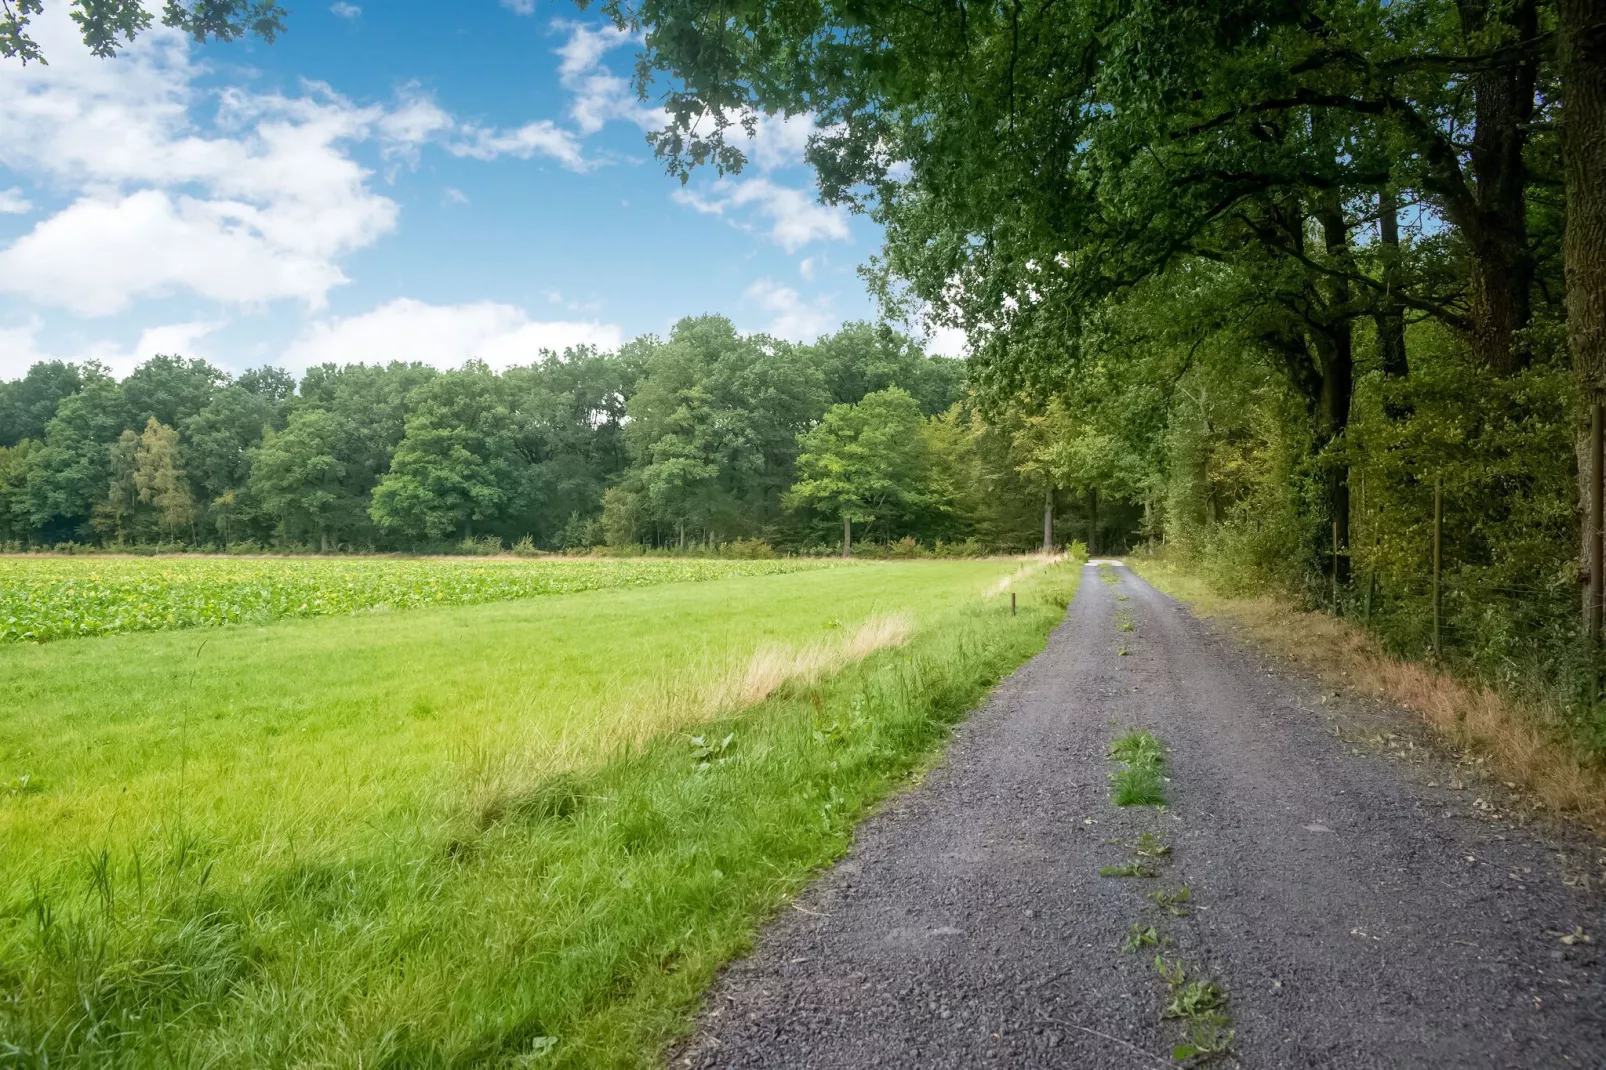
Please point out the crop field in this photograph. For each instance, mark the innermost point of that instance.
(519, 833)
(55, 598)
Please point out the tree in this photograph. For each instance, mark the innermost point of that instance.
(300, 479)
(863, 460)
(218, 441)
(68, 476)
(27, 404)
(159, 479)
(456, 466)
(108, 25)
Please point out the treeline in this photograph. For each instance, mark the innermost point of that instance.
(706, 439)
(1306, 266)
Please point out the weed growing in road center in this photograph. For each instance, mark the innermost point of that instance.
(1172, 901)
(1140, 937)
(1137, 785)
(1141, 779)
(1128, 869)
(1199, 1004)
(1138, 747)
(1123, 623)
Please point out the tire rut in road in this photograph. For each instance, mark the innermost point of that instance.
(1356, 910)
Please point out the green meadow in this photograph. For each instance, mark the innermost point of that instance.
(523, 833)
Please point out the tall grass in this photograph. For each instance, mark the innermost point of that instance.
(348, 843)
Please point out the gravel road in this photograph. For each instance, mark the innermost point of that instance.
(1362, 899)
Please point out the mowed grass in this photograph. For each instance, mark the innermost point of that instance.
(521, 834)
(47, 598)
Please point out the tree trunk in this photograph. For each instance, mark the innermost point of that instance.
(1048, 520)
(1092, 521)
(1391, 313)
(1496, 231)
(847, 536)
(1335, 349)
(1582, 56)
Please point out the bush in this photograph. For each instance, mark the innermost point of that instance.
(750, 549)
(481, 546)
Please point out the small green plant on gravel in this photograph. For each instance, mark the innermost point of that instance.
(1138, 747)
(1121, 653)
(1141, 779)
(1123, 623)
(1175, 902)
(1137, 785)
(1140, 937)
(1122, 598)
(1128, 869)
(1199, 1005)
(1107, 574)
(1151, 846)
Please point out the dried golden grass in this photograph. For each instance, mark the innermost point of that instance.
(1517, 738)
(679, 696)
(1038, 563)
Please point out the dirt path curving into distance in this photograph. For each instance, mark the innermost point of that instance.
(1362, 904)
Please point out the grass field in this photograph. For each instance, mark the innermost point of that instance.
(46, 598)
(516, 834)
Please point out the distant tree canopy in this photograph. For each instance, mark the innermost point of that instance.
(687, 442)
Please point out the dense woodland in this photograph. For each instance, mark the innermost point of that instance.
(1302, 267)
(699, 442)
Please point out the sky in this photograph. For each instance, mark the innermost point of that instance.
(390, 180)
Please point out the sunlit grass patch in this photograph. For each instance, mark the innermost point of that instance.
(511, 834)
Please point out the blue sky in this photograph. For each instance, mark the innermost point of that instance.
(392, 179)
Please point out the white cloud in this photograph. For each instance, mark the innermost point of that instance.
(453, 195)
(542, 137)
(947, 342)
(344, 10)
(259, 204)
(260, 209)
(599, 95)
(806, 267)
(443, 335)
(793, 317)
(12, 202)
(520, 7)
(20, 350)
(795, 216)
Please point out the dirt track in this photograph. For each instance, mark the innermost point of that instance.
(1357, 907)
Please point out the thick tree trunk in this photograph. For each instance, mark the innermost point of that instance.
(1048, 520)
(1496, 223)
(1335, 347)
(1582, 55)
(847, 536)
(1391, 312)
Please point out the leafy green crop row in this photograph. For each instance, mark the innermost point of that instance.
(48, 598)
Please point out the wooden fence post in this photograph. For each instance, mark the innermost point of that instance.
(1438, 531)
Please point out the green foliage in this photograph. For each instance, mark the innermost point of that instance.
(1140, 780)
(863, 461)
(45, 599)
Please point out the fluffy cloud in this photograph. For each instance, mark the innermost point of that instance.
(794, 217)
(443, 335)
(599, 96)
(542, 137)
(260, 204)
(259, 209)
(20, 349)
(344, 10)
(12, 202)
(791, 316)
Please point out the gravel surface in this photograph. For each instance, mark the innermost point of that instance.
(1363, 900)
